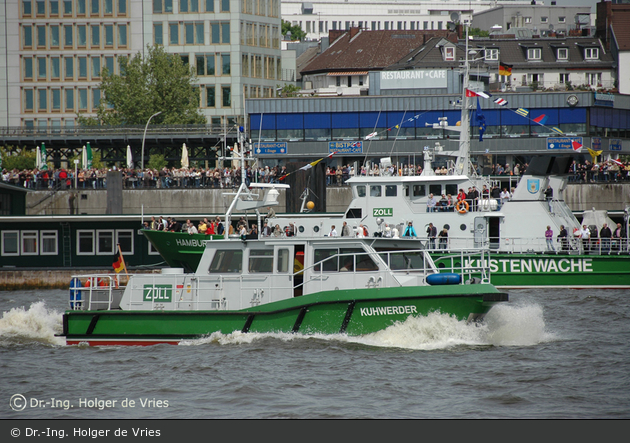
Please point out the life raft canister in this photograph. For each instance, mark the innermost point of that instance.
(462, 206)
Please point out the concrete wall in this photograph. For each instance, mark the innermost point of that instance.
(611, 197)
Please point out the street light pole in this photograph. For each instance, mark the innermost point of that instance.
(143, 137)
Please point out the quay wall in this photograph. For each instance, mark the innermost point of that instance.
(14, 280)
(579, 197)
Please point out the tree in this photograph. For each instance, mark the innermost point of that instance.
(157, 162)
(296, 31)
(159, 82)
(478, 32)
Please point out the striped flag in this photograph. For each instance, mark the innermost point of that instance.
(371, 135)
(119, 262)
(617, 162)
(501, 101)
(505, 69)
(470, 93)
(557, 130)
(541, 120)
(522, 111)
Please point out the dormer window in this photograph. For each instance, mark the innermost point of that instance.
(563, 53)
(491, 54)
(591, 53)
(533, 54)
(449, 53)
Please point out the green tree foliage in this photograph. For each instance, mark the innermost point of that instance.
(296, 31)
(159, 82)
(478, 32)
(156, 161)
(25, 160)
(288, 90)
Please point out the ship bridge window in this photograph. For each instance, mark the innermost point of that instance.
(435, 189)
(391, 191)
(260, 260)
(343, 260)
(451, 189)
(354, 213)
(360, 191)
(375, 191)
(418, 191)
(227, 261)
(408, 260)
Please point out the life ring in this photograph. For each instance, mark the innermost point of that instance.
(462, 206)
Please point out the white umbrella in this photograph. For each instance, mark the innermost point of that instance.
(38, 158)
(84, 158)
(129, 158)
(184, 156)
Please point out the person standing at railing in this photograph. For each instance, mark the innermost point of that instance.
(562, 238)
(549, 239)
(605, 234)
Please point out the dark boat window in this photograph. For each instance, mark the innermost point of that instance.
(419, 191)
(360, 191)
(391, 190)
(435, 189)
(354, 213)
(329, 259)
(260, 260)
(451, 189)
(227, 261)
(375, 191)
(399, 261)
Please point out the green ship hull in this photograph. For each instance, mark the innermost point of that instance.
(518, 270)
(353, 312)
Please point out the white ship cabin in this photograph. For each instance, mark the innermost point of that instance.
(234, 274)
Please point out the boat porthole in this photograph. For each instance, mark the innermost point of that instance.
(301, 229)
(462, 227)
(316, 228)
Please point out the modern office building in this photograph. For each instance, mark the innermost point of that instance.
(53, 52)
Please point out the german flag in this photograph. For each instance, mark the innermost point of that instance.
(119, 262)
(505, 69)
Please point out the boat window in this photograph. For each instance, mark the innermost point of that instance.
(451, 189)
(328, 258)
(260, 260)
(404, 260)
(435, 190)
(391, 190)
(365, 263)
(354, 213)
(375, 191)
(283, 260)
(360, 191)
(224, 261)
(419, 190)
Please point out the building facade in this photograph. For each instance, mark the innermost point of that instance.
(54, 52)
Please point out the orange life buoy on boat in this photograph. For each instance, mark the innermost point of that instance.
(462, 206)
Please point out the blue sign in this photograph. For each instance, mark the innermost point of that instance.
(562, 142)
(349, 147)
(596, 143)
(614, 144)
(270, 148)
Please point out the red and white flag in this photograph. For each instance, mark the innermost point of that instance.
(617, 162)
(470, 93)
(576, 145)
(372, 135)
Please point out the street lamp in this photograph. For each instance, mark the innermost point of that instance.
(143, 137)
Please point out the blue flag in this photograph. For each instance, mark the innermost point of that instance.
(481, 120)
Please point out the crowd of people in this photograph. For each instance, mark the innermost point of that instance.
(602, 240)
(230, 176)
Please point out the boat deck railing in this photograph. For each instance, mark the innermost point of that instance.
(97, 291)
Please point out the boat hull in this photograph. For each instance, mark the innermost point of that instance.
(512, 271)
(353, 312)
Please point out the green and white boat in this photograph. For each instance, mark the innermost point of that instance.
(353, 286)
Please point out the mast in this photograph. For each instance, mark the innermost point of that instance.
(462, 165)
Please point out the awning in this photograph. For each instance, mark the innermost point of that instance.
(348, 73)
